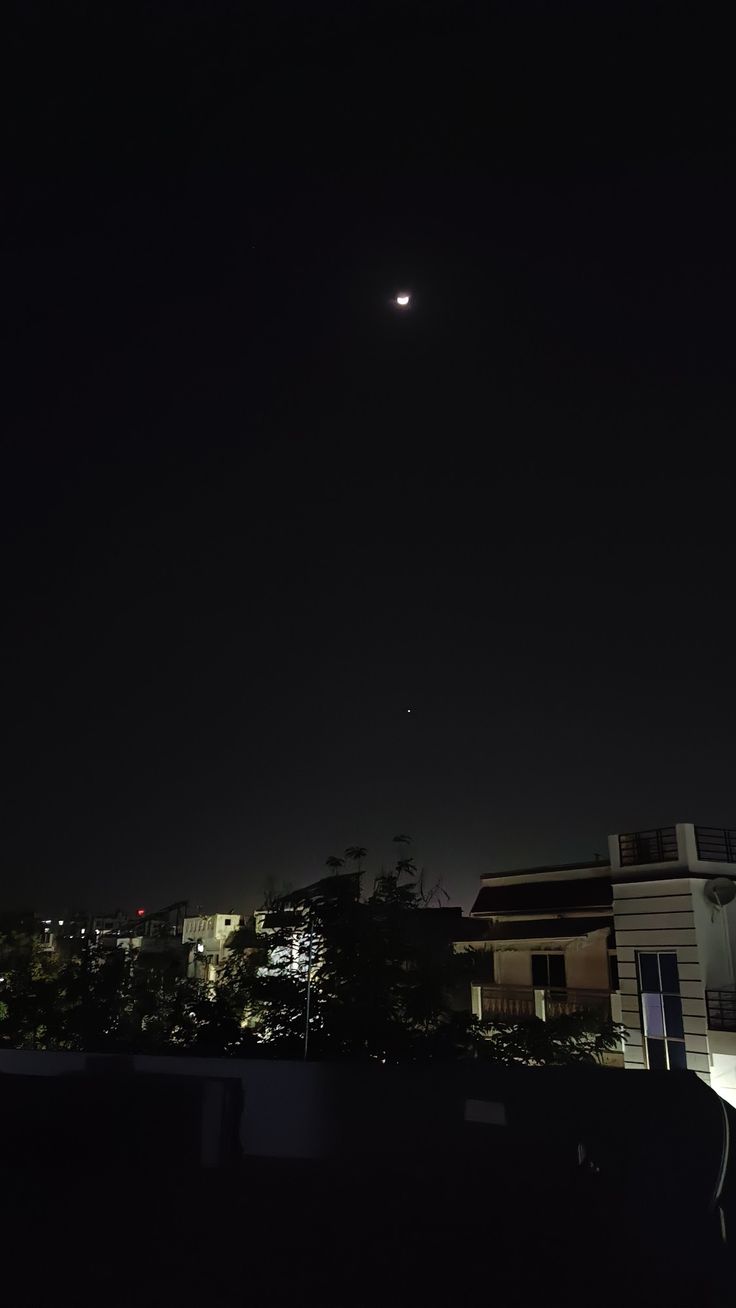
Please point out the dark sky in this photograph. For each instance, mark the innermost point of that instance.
(252, 513)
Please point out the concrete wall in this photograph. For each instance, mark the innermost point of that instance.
(586, 963)
(512, 967)
(661, 915)
(285, 1114)
(723, 1064)
(712, 927)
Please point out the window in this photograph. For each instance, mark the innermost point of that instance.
(228, 920)
(661, 1011)
(613, 971)
(548, 971)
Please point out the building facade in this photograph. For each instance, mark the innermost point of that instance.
(207, 938)
(646, 938)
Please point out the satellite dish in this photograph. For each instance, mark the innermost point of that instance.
(719, 891)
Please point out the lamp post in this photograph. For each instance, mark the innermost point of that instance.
(309, 984)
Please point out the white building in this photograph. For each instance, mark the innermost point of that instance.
(647, 937)
(209, 938)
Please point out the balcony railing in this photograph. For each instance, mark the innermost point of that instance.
(721, 1006)
(656, 846)
(515, 1003)
(716, 844)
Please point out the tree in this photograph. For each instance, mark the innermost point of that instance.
(94, 1001)
(29, 992)
(581, 1037)
(381, 982)
(356, 853)
(334, 863)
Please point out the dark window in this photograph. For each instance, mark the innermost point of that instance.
(613, 971)
(669, 974)
(661, 1011)
(649, 972)
(656, 1055)
(677, 1056)
(539, 970)
(548, 971)
(673, 1016)
(228, 920)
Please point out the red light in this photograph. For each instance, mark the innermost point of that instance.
(140, 912)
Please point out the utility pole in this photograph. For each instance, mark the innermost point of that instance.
(309, 984)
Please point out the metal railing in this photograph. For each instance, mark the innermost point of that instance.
(716, 844)
(721, 1007)
(515, 1003)
(656, 846)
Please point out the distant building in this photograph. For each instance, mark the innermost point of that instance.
(152, 939)
(207, 939)
(647, 938)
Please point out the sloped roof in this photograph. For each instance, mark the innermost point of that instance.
(546, 927)
(547, 867)
(544, 896)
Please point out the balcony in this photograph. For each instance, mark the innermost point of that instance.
(716, 844)
(656, 846)
(721, 1006)
(516, 1003)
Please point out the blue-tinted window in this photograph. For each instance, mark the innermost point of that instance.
(653, 1016)
(661, 1010)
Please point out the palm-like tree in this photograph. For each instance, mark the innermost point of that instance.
(356, 853)
(334, 863)
(402, 840)
(406, 866)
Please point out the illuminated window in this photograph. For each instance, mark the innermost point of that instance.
(661, 1011)
(548, 971)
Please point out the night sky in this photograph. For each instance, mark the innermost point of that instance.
(253, 513)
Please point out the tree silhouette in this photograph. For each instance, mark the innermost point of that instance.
(334, 863)
(356, 853)
(406, 867)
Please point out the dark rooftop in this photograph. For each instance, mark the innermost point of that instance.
(541, 928)
(548, 867)
(544, 896)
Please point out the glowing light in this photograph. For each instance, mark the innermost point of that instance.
(61, 921)
(140, 912)
(403, 299)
